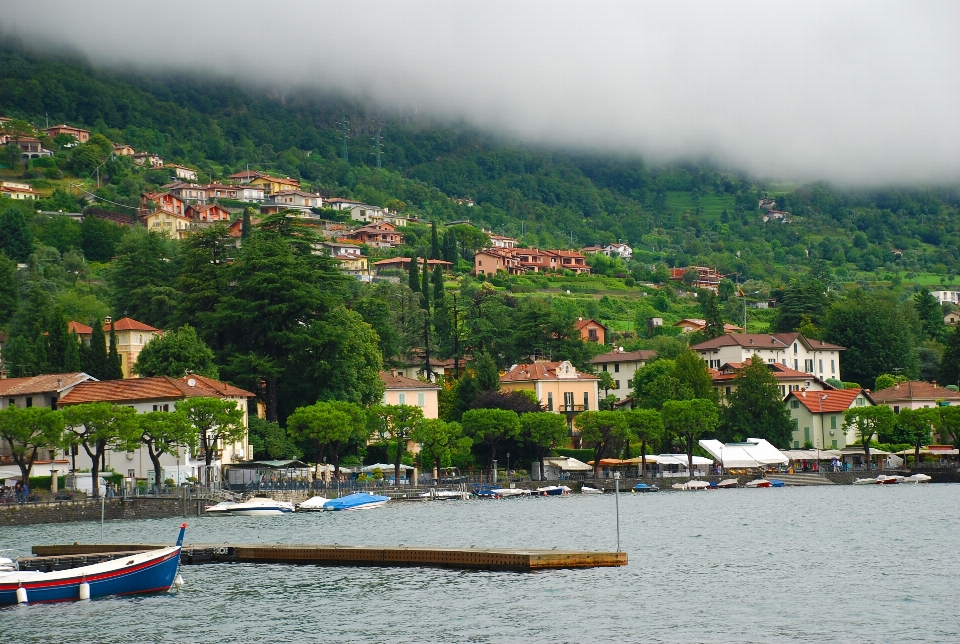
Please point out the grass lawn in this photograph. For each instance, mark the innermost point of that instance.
(712, 204)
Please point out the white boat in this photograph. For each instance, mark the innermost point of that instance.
(219, 510)
(917, 478)
(759, 483)
(553, 490)
(313, 504)
(260, 507)
(865, 482)
(728, 483)
(883, 479)
(590, 490)
(504, 492)
(442, 495)
(356, 501)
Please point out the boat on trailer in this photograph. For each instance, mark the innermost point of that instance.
(153, 571)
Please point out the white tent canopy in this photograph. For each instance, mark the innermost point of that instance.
(755, 452)
(680, 459)
(811, 454)
(384, 467)
(567, 464)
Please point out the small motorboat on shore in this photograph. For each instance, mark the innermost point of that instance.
(590, 490)
(691, 485)
(727, 484)
(356, 501)
(917, 478)
(883, 479)
(865, 481)
(153, 571)
(553, 490)
(259, 507)
(759, 483)
(643, 487)
(313, 504)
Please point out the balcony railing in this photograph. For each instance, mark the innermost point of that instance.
(571, 408)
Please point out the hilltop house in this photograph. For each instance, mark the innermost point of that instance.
(401, 390)
(915, 394)
(271, 185)
(79, 134)
(814, 357)
(818, 416)
(623, 366)
(789, 380)
(591, 331)
(161, 393)
(382, 235)
(132, 336)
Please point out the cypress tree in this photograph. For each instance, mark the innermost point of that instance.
(39, 363)
(95, 357)
(438, 291)
(114, 367)
(71, 354)
(58, 342)
(950, 364)
(9, 293)
(434, 243)
(450, 246)
(415, 274)
(425, 286)
(488, 374)
(245, 225)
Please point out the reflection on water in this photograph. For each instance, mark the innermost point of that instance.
(837, 563)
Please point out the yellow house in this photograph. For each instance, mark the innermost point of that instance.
(271, 185)
(18, 190)
(558, 386)
(401, 390)
(170, 224)
(132, 336)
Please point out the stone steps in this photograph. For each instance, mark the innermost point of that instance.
(802, 478)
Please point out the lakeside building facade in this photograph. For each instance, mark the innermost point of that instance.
(818, 417)
(815, 357)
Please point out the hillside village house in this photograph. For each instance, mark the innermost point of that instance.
(401, 390)
(338, 203)
(724, 379)
(623, 251)
(208, 214)
(271, 185)
(161, 394)
(915, 394)
(706, 277)
(403, 264)
(622, 367)
(514, 261)
(146, 158)
(351, 261)
(558, 386)
(499, 241)
(689, 325)
(31, 148)
(79, 134)
(383, 235)
(182, 172)
(175, 226)
(39, 391)
(123, 150)
(591, 331)
(164, 201)
(815, 357)
(290, 200)
(132, 336)
(415, 368)
(491, 261)
(818, 416)
(943, 297)
(15, 190)
(244, 176)
(951, 318)
(189, 193)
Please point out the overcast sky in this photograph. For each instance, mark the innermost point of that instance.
(847, 91)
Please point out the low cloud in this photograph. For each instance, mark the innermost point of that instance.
(854, 92)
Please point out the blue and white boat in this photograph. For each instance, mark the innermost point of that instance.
(553, 490)
(643, 487)
(153, 571)
(356, 501)
(259, 507)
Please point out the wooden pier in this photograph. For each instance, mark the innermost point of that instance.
(61, 557)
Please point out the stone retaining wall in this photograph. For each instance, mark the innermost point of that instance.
(131, 508)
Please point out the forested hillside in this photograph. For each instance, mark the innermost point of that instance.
(678, 214)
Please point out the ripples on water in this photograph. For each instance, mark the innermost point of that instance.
(838, 563)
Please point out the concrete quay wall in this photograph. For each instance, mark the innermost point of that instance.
(116, 508)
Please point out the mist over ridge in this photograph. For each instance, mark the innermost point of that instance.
(851, 92)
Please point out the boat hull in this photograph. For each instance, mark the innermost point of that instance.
(153, 575)
(260, 512)
(358, 501)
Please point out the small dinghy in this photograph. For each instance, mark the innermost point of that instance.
(590, 490)
(356, 501)
(759, 483)
(313, 504)
(727, 484)
(917, 478)
(153, 571)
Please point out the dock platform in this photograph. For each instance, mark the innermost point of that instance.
(61, 557)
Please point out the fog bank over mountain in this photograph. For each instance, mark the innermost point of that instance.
(853, 92)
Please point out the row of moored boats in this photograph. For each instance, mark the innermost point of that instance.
(884, 479)
(257, 507)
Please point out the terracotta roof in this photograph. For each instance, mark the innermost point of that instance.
(81, 329)
(402, 382)
(47, 382)
(129, 324)
(8, 383)
(159, 387)
(838, 400)
(764, 341)
(243, 174)
(582, 323)
(643, 355)
(914, 390)
(540, 371)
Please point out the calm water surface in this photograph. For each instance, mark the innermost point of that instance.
(837, 563)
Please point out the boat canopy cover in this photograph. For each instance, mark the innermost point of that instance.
(755, 452)
(811, 454)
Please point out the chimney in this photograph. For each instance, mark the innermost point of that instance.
(59, 383)
(934, 384)
(803, 392)
(107, 320)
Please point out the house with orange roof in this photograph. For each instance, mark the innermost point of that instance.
(559, 387)
(208, 214)
(383, 235)
(123, 150)
(78, 133)
(132, 336)
(689, 325)
(789, 380)
(591, 331)
(490, 261)
(818, 416)
(146, 158)
(164, 201)
(173, 225)
(271, 185)
(161, 394)
(401, 390)
(793, 350)
(915, 394)
(15, 190)
(182, 171)
(244, 176)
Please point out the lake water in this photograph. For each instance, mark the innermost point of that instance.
(816, 564)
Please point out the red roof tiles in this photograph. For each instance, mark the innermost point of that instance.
(835, 401)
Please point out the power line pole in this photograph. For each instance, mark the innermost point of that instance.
(343, 134)
(378, 148)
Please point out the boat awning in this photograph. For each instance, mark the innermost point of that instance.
(755, 452)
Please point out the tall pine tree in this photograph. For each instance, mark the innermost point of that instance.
(95, 356)
(415, 273)
(434, 242)
(425, 286)
(58, 343)
(71, 355)
(438, 291)
(450, 246)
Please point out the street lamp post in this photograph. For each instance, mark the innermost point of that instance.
(508, 466)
